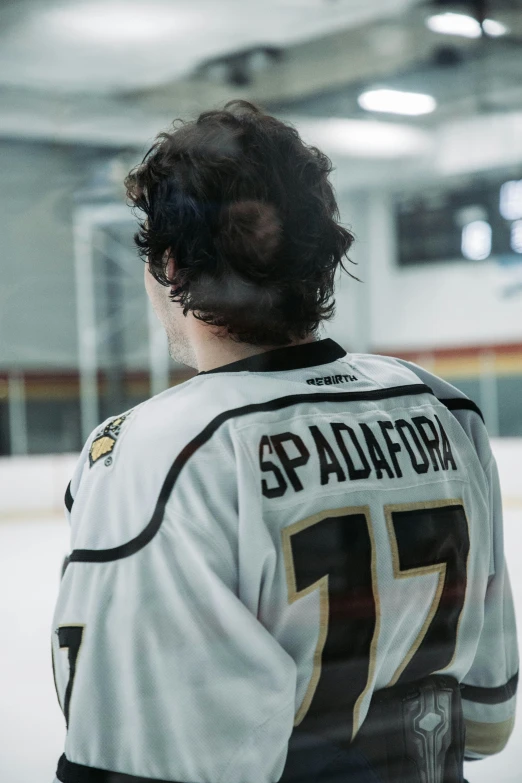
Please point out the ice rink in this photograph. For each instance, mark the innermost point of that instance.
(31, 724)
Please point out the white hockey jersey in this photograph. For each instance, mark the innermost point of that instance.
(267, 542)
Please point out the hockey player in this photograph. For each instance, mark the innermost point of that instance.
(291, 566)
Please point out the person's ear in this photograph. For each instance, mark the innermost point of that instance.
(170, 271)
(170, 267)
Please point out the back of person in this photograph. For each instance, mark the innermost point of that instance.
(371, 534)
(315, 542)
(290, 567)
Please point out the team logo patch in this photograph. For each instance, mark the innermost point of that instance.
(105, 441)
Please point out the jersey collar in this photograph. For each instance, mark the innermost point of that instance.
(293, 357)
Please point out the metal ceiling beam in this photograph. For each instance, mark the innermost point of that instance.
(346, 57)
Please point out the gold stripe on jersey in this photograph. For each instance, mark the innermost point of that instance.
(322, 585)
(461, 501)
(373, 648)
(437, 568)
(294, 595)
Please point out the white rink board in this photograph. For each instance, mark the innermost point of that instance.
(32, 548)
(34, 485)
(32, 729)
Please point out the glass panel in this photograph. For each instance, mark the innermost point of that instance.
(53, 426)
(510, 405)
(470, 387)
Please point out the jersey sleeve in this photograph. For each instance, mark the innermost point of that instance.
(179, 679)
(489, 688)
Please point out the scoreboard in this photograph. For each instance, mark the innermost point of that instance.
(473, 221)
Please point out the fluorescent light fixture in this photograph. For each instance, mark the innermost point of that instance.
(464, 25)
(454, 24)
(397, 102)
(115, 21)
(516, 236)
(495, 29)
(476, 240)
(364, 138)
(510, 202)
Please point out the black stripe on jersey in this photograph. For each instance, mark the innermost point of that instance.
(70, 772)
(293, 357)
(69, 500)
(459, 403)
(148, 533)
(490, 695)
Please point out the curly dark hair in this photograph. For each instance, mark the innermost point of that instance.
(246, 210)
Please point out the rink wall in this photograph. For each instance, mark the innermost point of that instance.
(508, 453)
(35, 485)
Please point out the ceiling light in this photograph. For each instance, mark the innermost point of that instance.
(494, 28)
(516, 236)
(464, 25)
(454, 24)
(510, 202)
(117, 21)
(476, 240)
(397, 102)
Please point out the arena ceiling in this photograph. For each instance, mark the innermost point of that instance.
(113, 72)
(107, 46)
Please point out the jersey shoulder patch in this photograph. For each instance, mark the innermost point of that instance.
(105, 440)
